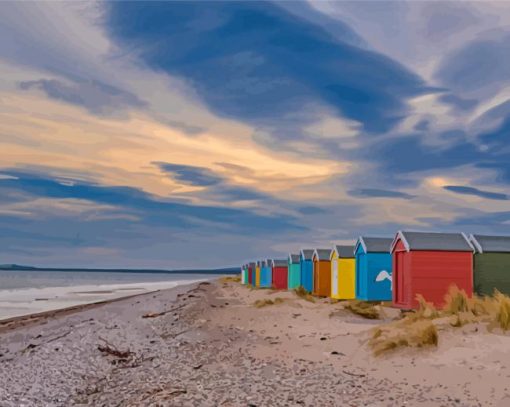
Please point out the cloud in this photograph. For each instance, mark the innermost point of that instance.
(465, 190)
(96, 97)
(259, 73)
(379, 193)
(479, 68)
(191, 175)
(73, 218)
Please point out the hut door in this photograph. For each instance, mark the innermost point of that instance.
(399, 280)
(334, 288)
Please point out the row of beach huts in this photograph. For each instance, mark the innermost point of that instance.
(392, 269)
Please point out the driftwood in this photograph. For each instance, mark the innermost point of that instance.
(353, 374)
(159, 314)
(35, 345)
(113, 350)
(175, 335)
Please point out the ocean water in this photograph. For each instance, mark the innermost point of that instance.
(27, 292)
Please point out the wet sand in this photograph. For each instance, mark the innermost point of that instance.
(207, 345)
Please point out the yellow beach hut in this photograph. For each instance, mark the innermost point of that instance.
(343, 272)
(257, 273)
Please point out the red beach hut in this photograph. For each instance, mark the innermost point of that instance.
(280, 274)
(251, 272)
(428, 264)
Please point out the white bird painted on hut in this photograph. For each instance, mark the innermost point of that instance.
(383, 275)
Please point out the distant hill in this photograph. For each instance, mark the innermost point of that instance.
(227, 270)
(15, 267)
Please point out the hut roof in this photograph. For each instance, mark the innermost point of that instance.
(252, 264)
(455, 242)
(307, 254)
(293, 258)
(494, 244)
(322, 254)
(345, 251)
(279, 263)
(374, 244)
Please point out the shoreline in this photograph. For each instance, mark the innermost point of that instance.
(208, 344)
(23, 302)
(24, 320)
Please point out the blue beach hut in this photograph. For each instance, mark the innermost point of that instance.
(266, 274)
(305, 259)
(373, 268)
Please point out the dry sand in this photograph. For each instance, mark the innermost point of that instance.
(214, 348)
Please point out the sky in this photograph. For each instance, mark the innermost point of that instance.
(197, 135)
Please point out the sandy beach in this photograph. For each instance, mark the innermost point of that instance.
(206, 344)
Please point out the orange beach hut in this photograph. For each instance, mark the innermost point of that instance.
(321, 273)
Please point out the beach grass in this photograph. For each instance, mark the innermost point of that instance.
(267, 301)
(418, 334)
(230, 279)
(302, 293)
(417, 328)
(364, 309)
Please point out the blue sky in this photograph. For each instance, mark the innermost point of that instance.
(187, 134)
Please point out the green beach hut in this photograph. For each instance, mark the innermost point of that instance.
(491, 266)
(294, 271)
(244, 274)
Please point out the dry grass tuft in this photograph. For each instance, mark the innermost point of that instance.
(363, 309)
(267, 301)
(502, 306)
(416, 329)
(230, 279)
(418, 334)
(456, 301)
(302, 293)
(426, 310)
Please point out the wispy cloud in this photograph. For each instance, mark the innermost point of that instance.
(96, 97)
(465, 190)
(379, 193)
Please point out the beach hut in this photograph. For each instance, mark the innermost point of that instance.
(321, 273)
(373, 269)
(294, 270)
(343, 272)
(244, 274)
(429, 264)
(306, 265)
(257, 273)
(280, 274)
(491, 264)
(266, 274)
(251, 274)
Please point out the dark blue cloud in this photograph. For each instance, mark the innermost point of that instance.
(218, 187)
(465, 190)
(260, 63)
(379, 193)
(407, 155)
(137, 229)
(189, 174)
(98, 98)
(150, 209)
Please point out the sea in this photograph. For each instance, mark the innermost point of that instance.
(27, 292)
